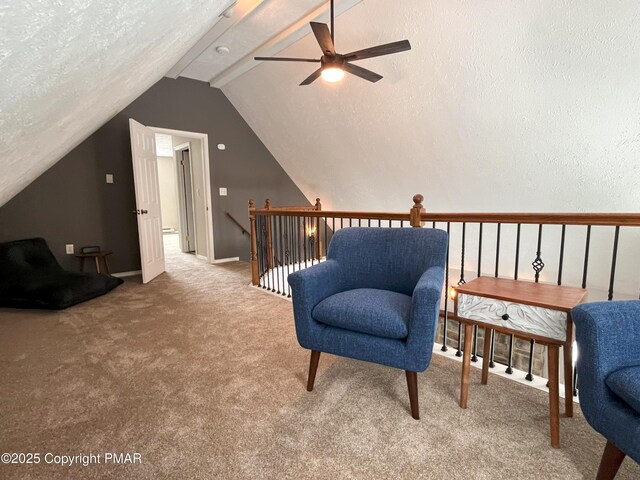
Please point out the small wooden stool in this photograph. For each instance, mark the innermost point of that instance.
(97, 256)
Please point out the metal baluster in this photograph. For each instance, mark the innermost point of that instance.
(529, 372)
(359, 222)
(277, 241)
(312, 241)
(538, 264)
(493, 338)
(326, 237)
(561, 261)
(480, 250)
(290, 261)
(283, 253)
(350, 223)
(497, 249)
(272, 282)
(341, 222)
(304, 240)
(613, 262)
(390, 224)
(446, 301)
(401, 223)
(369, 222)
(509, 370)
(586, 257)
(515, 274)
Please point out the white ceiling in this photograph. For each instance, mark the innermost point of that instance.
(66, 67)
(500, 105)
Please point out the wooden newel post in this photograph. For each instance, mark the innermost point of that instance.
(317, 245)
(267, 206)
(255, 274)
(416, 211)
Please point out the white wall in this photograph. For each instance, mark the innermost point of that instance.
(199, 206)
(168, 180)
(501, 105)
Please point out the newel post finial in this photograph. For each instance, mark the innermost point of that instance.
(267, 204)
(416, 211)
(318, 204)
(252, 204)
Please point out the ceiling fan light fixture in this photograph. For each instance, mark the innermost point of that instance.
(332, 74)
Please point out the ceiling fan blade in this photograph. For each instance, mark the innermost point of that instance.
(362, 72)
(311, 78)
(385, 49)
(285, 59)
(323, 35)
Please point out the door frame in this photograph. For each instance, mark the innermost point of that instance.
(207, 180)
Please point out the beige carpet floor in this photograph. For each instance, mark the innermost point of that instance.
(202, 376)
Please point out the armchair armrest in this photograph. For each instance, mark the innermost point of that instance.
(425, 310)
(309, 287)
(608, 337)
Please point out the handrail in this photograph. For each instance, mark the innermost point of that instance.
(595, 219)
(244, 230)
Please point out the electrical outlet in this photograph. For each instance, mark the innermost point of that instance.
(109, 177)
(70, 249)
(223, 192)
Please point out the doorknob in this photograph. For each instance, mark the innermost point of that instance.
(143, 211)
(135, 212)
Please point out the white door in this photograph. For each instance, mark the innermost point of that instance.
(145, 177)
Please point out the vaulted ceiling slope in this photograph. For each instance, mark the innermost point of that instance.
(499, 106)
(66, 67)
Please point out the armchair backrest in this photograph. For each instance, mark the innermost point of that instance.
(387, 258)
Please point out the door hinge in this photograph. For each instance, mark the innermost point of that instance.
(182, 162)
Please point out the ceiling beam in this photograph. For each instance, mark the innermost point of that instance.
(237, 10)
(279, 42)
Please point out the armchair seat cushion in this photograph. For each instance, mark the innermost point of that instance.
(382, 313)
(625, 383)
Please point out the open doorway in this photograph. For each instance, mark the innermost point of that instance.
(184, 184)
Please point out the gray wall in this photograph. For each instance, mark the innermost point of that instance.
(71, 203)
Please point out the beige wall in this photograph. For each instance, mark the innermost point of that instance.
(167, 177)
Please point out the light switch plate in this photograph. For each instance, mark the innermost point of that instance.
(223, 192)
(69, 247)
(109, 177)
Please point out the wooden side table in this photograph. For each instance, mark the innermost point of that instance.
(97, 256)
(528, 310)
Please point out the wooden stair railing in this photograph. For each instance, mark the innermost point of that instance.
(233, 219)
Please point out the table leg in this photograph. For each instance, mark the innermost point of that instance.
(97, 264)
(554, 395)
(486, 353)
(568, 378)
(466, 365)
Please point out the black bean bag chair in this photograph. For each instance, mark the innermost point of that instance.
(31, 277)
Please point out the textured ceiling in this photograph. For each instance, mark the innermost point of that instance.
(271, 17)
(500, 106)
(67, 66)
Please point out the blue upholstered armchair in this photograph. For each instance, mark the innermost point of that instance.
(376, 298)
(608, 337)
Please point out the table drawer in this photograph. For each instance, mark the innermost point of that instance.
(515, 316)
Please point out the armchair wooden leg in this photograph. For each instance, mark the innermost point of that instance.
(611, 460)
(412, 383)
(313, 367)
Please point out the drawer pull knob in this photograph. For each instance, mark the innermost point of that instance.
(505, 316)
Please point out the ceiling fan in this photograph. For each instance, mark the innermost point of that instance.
(333, 65)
